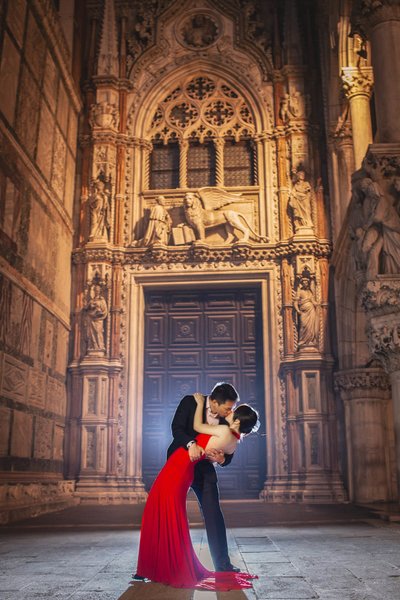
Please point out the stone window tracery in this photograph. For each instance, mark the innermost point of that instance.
(203, 116)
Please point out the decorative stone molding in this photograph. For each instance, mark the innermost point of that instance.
(361, 380)
(374, 12)
(382, 295)
(384, 340)
(104, 115)
(357, 81)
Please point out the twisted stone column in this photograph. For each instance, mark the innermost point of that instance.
(357, 85)
(219, 144)
(183, 158)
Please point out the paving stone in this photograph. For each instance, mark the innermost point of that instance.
(261, 557)
(293, 588)
(280, 569)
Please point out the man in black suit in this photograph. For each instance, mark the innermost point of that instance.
(217, 406)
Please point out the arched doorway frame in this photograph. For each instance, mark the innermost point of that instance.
(139, 283)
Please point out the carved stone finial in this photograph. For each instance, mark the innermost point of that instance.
(108, 63)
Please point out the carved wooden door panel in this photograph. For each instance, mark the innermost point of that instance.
(192, 341)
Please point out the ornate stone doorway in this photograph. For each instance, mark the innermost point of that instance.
(194, 339)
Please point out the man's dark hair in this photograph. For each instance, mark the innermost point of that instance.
(248, 418)
(224, 392)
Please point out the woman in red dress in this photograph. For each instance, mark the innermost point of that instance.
(166, 553)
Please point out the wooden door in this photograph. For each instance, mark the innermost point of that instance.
(192, 341)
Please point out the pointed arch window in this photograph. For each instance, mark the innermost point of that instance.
(202, 136)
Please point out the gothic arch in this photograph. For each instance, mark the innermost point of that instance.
(260, 104)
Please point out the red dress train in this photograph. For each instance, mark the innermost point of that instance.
(166, 553)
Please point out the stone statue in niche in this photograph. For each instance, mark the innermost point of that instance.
(307, 309)
(159, 225)
(300, 204)
(100, 209)
(376, 240)
(96, 312)
(204, 211)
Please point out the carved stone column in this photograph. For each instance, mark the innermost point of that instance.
(365, 393)
(183, 157)
(381, 22)
(357, 86)
(219, 144)
(381, 298)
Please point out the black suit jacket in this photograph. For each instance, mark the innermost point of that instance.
(182, 426)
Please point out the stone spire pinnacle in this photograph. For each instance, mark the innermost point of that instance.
(108, 56)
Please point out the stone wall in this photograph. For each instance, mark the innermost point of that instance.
(39, 108)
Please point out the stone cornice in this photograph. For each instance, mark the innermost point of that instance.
(202, 254)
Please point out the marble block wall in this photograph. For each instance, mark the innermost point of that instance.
(39, 107)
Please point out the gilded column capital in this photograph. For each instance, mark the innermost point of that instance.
(357, 81)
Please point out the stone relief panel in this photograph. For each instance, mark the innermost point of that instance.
(61, 349)
(212, 216)
(48, 343)
(41, 257)
(5, 426)
(72, 130)
(21, 434)
(44, 153)
(43, 440)
(14, 379)
(50, 85)
(58, 170)
(35, 48)
(58, 443)
(62, 109)
(37, 388)
(28, 110)
(9, 70)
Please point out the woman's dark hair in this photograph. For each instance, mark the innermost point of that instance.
(248, 417)
(224, 392)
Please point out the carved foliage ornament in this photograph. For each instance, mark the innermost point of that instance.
(104, 116)
(361, 379)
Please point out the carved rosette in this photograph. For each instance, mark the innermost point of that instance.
(357, 81)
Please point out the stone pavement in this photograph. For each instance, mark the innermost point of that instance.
(330, 553)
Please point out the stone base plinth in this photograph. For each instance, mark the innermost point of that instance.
(23, 500)
(114, 492)
(312, 489)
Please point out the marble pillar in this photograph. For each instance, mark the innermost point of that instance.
(357, 85)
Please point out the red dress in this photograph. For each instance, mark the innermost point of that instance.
(166, 554)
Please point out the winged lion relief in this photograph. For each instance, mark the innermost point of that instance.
(206, 210)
